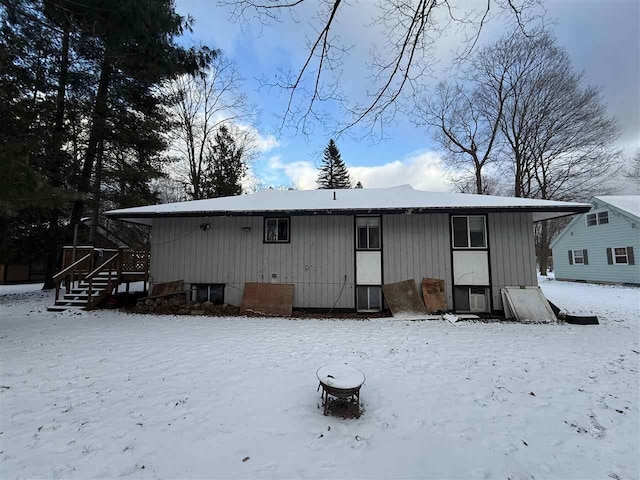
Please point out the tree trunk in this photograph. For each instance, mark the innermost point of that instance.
(96, 136)
(97, 183)
(54, 155)
(479, 189)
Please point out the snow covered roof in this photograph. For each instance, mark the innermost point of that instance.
(626, 203)
(401, 199)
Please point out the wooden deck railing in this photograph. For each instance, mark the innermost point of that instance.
(123, 265)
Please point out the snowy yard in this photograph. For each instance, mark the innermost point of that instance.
(106, 394)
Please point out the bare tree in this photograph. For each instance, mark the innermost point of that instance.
(559, 134)
(464, 124)
(410, 30)
(633, 169)
(467, 183)
(202, 105)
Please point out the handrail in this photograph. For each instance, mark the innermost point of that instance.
(63, 273)
(100, 267)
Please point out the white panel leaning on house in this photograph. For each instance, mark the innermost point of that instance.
(601, 245)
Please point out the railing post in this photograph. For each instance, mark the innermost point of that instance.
(89, 292)
(146, 270)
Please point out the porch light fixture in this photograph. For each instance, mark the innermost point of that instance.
(205, 226)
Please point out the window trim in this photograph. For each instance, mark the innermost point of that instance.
(193, 290)
(469, 247)
(573, 254)
(368, 249)
(264, 230)
(596, 215)
(370, 310)
(626, 256)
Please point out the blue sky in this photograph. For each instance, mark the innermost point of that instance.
(601, 37)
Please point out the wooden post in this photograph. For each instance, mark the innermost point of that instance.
(73, 253)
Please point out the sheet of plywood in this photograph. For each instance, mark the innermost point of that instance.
(529, 305)
(267, 298)
(403, 298)
(434, 295)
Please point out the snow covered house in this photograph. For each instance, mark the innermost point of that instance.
(338, 247)
(600, 245)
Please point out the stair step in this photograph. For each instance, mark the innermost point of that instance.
(81, 303)
(55, 308)
(85, 290)
(74, 296)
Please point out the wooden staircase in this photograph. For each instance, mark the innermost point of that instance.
(85, 287)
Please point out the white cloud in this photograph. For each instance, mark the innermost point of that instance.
(302, 174)
(422, 170)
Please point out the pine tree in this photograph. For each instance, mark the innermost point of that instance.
(333, 171)
(358, 185)
(225, 167)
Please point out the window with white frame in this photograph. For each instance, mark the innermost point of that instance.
(578, 257)
(469, 231)
(368, 233)
(621, 256)
(603, 217)
(598, 218)
(276, 230)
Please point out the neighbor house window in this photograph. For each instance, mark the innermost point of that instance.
(469, 231)
(208, 292)
(603, 217)
(369, 299)
(620, 256)
(578, 257)
(276, 230)
(368, 233)
(599, 218)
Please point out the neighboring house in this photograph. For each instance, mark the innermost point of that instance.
(601, 245)
(338, 247)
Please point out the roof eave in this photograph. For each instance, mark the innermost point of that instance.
(545, 213)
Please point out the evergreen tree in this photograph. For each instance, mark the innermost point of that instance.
(225, 167)
(333, 171)
(358, 185)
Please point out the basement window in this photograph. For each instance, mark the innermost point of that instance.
(369, 298)
(368, 233)
(208, 292)
(469, 231)
(276, 230)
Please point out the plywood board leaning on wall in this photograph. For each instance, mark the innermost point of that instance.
(434, 295)
(267, 299)
(403, 299)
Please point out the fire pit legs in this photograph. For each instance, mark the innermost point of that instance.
(326, 391)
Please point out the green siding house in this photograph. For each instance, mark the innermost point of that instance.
(601, 245)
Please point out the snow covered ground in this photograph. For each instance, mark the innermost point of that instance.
(107, 394)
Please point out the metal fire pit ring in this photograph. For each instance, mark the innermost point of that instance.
(340, 381)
